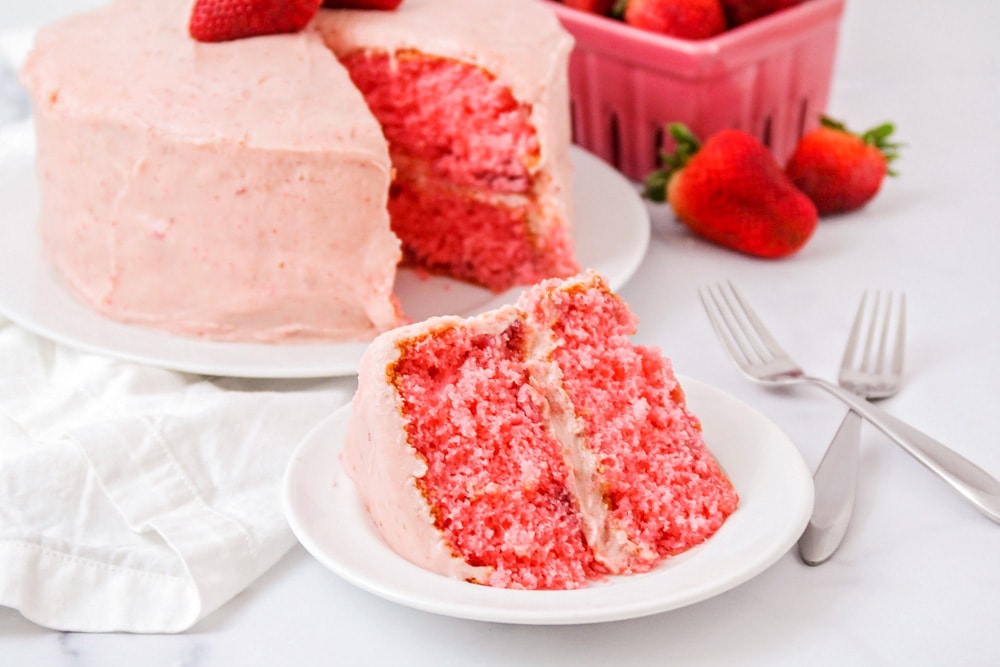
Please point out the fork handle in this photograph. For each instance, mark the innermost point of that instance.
(972, 482)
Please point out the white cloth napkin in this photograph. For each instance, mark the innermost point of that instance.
(139, 499)
(134, 498)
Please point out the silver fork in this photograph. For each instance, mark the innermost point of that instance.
(874, 371)
(760, 358)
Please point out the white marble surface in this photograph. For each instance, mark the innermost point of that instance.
(917, 581)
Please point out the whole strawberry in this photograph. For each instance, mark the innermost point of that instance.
(225, 20)
(732, 191)
(688, 19)
(839, 170)
(739, 12)
(386, 5)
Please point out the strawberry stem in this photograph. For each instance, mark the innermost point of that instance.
(877, 137)
(686, 144)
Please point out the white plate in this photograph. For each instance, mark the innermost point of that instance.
(776, 497)
(611, 234)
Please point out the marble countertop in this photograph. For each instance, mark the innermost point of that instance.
(917, 581)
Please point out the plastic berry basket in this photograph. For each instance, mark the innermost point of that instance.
(770, 77)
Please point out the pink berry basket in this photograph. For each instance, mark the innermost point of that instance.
(770, 77)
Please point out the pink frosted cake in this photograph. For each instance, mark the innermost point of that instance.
(532, 447)
(242, 190)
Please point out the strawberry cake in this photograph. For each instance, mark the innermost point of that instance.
(533, 446)
(266, 189)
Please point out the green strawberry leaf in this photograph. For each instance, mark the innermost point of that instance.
(656, 185)
(686, 144)
(877, 137)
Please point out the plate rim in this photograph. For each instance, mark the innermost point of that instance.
(452, 597)
(267, 360)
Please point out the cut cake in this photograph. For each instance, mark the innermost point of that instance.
(533, 446)
(242, 190)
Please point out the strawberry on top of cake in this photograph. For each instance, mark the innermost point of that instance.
(533, 446)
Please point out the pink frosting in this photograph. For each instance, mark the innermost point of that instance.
(234, 190)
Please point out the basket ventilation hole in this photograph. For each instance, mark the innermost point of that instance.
(614, 134)
(574, 131)
(765, 136)
(658, 139)
(803, 116)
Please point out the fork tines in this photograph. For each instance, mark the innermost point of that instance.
(881, 316)
(744, 336)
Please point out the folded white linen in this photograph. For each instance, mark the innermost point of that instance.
(139, 499)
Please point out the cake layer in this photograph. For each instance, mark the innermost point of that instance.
(487, 241)
(494, 467)
(454, 119)
(532, 447)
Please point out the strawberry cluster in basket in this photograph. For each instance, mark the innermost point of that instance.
(687, 19)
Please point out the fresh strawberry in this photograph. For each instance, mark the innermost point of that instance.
(602, 7)
(224, 20)
(688, 19)
(386, 5)
(839, 170)
(739, 12)
(732, 191)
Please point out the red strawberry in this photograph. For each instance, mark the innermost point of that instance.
(688, 19)
(739, 12)
(602, 7)
(224, 20)
(362, 4)
(732, 191)
(839, 170)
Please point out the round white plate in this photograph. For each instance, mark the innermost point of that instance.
(611, 234)
(776, 498)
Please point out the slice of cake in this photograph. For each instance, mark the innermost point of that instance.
(533, 446)
(473, 100)
(242, 190)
